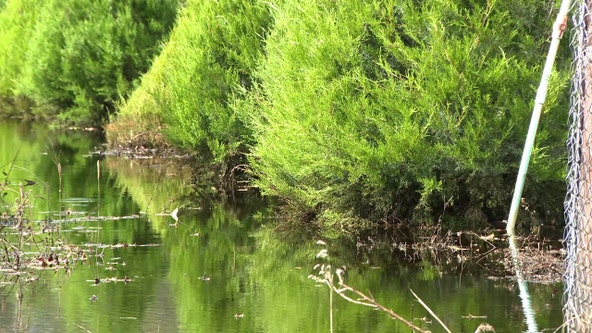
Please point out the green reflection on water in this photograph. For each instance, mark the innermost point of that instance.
(216, 263)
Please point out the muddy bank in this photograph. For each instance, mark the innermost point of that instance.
(468, 252)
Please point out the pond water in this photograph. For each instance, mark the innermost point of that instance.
(134, 266)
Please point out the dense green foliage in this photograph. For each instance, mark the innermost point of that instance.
(350, 111)
(403, 110)
(203, 73)
(17, 22)
(79, 57)
(354, 111)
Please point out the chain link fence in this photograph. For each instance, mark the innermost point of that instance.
(578, 204)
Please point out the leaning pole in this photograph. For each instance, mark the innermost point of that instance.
(578, 204)
(559, 28)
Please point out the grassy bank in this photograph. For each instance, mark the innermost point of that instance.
(363, 113)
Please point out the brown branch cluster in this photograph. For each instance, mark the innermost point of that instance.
(333, 278)
(326, 276)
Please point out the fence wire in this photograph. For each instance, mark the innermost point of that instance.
(578, 203)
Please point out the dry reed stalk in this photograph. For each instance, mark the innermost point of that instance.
(341, 289)
(430, 310)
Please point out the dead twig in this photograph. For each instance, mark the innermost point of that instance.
(472, 316)
(430, 311)
(326, 277)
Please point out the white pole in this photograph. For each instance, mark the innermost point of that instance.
(558, 29)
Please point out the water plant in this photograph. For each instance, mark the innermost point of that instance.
(12, 249)
(27, 243)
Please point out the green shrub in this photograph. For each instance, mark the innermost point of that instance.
(403, 110)
(17, 22)
(202, 74)
(84, 55)
(218, 45)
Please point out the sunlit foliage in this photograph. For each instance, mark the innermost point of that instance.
(17, 21)
(203, 73)
(78, 57)
(356, 111)
(402, 110)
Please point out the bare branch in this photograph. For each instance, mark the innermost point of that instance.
(326, 277)
(430, 310)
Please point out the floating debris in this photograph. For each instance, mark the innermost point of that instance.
(117, 246)
(239, 315)
(93, 298)
(73, 218)
(424, 319)
(96, 281)
(174, 215)
(470, 316)
(322, 254)
(485, 327)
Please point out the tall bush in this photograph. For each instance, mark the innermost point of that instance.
(17, 22)
(402, 110)
(196, 85)
(84, 55)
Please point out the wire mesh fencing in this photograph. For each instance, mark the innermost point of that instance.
(578, 203)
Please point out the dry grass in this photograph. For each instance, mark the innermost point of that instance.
(136, 131)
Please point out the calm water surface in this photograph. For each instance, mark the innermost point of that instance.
(219, 268)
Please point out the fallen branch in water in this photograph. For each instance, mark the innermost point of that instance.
(326, 276)
(430, 311)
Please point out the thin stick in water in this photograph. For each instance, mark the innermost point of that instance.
(430, 310)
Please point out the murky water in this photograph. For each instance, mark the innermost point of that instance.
(215, 269)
